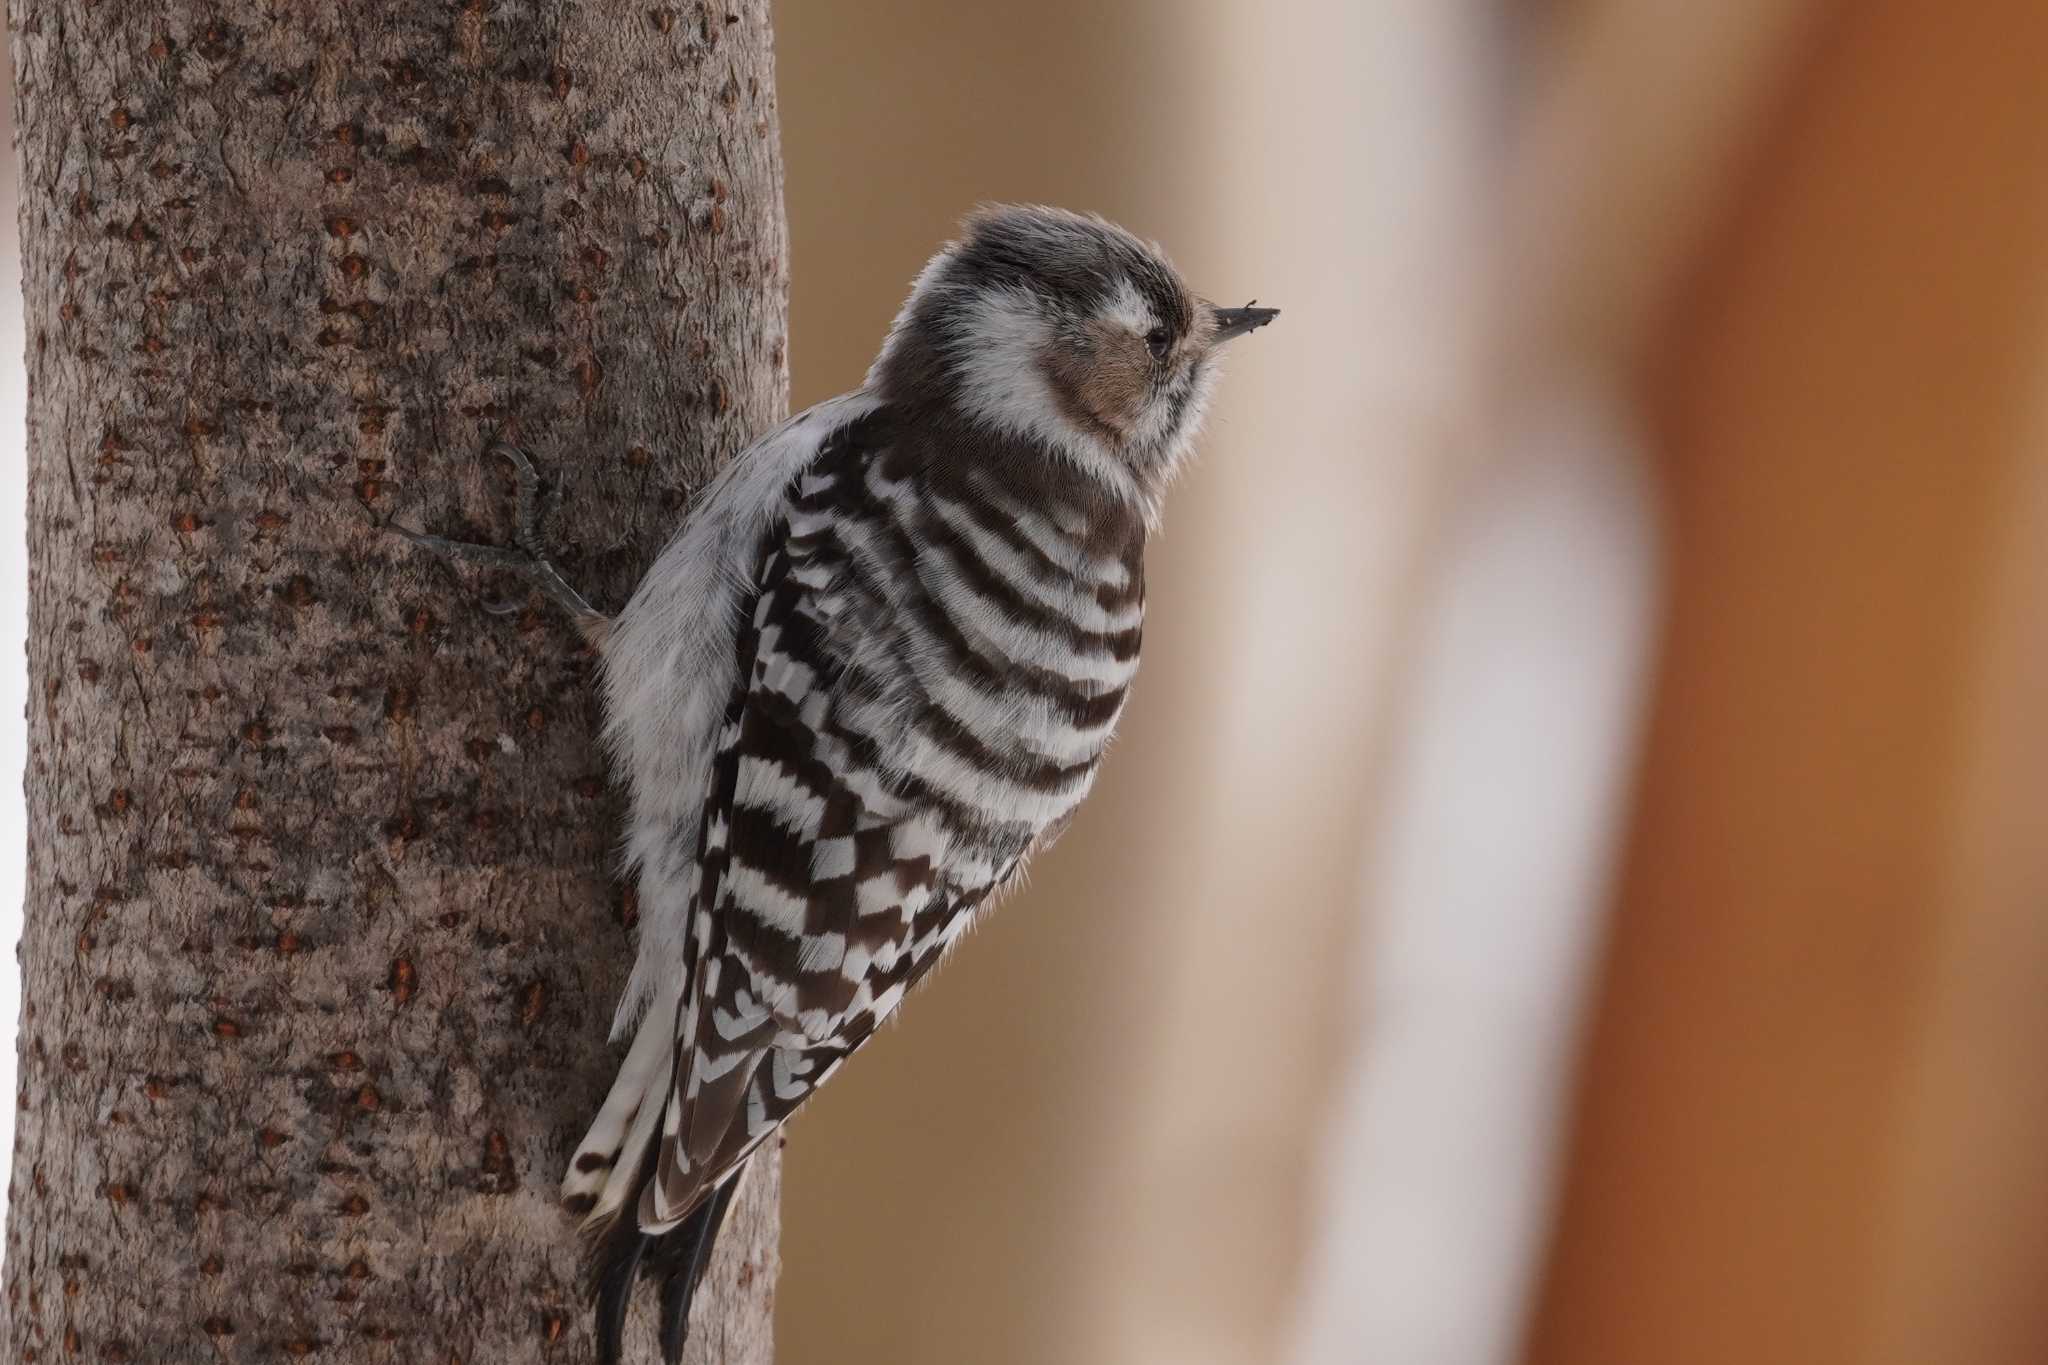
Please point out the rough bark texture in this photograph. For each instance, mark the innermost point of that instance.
(323, 927)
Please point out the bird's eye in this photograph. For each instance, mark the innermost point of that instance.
(1157, 341)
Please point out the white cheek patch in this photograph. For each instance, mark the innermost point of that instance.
(998, 343)
(997, 346)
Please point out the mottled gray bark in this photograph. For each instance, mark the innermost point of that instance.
(322, 927)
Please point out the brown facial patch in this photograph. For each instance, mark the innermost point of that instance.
(1102, 384)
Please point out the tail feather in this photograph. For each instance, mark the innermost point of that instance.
(675, 1260)
(607, 1186)
(614, 1265)
(679, 1265)
(599, 1175)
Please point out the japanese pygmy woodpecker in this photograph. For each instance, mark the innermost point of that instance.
(874, 671)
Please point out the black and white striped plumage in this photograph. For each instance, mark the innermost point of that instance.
(874, 672)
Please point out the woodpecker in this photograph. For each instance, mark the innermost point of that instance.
(872, 674)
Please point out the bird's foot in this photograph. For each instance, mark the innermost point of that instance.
(528, 561)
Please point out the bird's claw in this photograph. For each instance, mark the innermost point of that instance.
(528, 561)
(526, 524)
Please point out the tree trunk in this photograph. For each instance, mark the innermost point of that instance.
(323, 928)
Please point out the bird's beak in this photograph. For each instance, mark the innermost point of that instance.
(1235, 322)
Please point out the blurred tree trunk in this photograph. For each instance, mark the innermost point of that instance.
(321, 934)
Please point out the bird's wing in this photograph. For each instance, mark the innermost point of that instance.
(672, 677)
(669, 664)
(815, 877)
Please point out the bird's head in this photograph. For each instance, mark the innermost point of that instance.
(1066, 332)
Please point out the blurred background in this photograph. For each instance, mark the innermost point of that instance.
(1572, 887)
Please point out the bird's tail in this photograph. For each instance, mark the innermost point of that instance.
(675, 1260)
(603, 1187)
(605, 1175)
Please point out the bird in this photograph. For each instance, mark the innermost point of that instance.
(873, 673)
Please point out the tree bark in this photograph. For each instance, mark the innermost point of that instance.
(323, 926)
